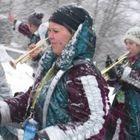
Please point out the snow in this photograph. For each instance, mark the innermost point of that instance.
(19, 79)
(4, 57)
(111, 95)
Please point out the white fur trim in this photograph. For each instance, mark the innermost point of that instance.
(5, 113)
(42, 30)
(55, 133)
(126, 72)
(93, 94)
(17, 24)
(49, 94)
(95, 122)
(117, 131)
(135, 81)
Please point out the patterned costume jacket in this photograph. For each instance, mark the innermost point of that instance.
(131, 87)
(128, 111)
(78, 104)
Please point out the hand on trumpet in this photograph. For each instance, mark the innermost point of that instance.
(114, 75)
(11, 18)
(36, 53)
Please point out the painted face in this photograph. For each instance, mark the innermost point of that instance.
(58, 36)
(132, 47)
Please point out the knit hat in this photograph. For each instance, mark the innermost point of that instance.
(36, 19)
(70, 16)
(133, 34)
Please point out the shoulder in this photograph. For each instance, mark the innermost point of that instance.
(83, 70)
(43, 25)
(138, 63)
(87, 70)
(42, 30)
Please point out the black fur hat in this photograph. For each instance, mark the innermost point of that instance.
(70, 16)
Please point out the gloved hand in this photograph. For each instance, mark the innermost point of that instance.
(115, 74)
(111, 74)
(119, 70)
(120, 67)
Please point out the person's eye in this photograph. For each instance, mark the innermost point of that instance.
(56, 31)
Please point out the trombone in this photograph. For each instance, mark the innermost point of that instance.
(120, 60)
(25, 57)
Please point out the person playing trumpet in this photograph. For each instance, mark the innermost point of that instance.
(35, 30)
(126, 105)
(70, 95)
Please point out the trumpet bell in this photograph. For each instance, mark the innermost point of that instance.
(13, 64)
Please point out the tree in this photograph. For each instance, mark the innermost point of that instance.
(110, 21)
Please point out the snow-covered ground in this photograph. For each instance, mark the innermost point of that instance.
(20, 78)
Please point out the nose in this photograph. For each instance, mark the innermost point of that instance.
(128, 47)
(50, 35)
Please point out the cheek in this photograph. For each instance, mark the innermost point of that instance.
(138, 50)
(68, 38)
(64, 40)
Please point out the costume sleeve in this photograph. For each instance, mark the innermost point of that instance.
(5, 91)
(22, 28)
(14, 109)
(86, 108)
(132, 77)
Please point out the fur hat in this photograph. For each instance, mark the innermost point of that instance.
(133, 34)
(70, 16)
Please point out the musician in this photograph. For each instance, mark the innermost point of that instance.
(34, 30)
(128, 109)
(70, 101)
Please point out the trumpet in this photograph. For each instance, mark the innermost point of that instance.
(119, 61)
(25, 57)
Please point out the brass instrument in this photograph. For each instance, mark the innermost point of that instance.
(119, 61)
(25, 57)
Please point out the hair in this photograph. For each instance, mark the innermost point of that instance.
(36, 19)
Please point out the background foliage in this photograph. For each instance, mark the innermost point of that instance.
(111, 20)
